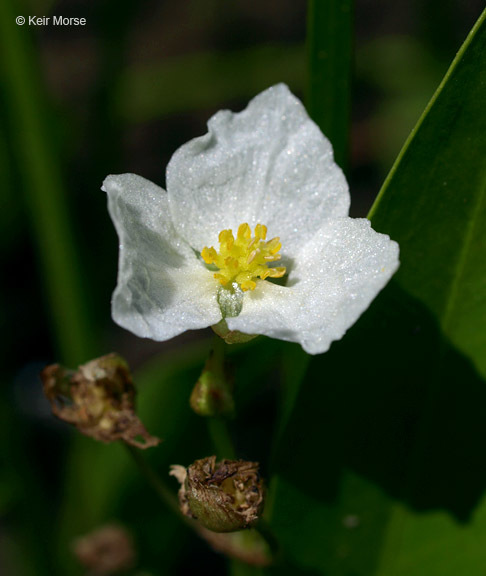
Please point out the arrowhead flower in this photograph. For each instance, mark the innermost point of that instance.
(252, 231)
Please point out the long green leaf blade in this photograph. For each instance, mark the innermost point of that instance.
(330, 50)
(434, 203)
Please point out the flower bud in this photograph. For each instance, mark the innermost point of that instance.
(99, 399)
(213, 393)
(224, 497)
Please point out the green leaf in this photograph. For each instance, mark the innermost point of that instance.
(330, 51)
(380, 469)
(433, 203)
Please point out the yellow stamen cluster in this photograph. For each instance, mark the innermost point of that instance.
(242, 259)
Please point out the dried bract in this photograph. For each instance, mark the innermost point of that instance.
(99, 399)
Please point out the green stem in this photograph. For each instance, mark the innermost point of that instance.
(218, 427)
(266, 532)
(221, 438)
(163, 491)
(219, 350)
(239, 568)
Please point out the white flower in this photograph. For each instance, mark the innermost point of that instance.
(270, 166)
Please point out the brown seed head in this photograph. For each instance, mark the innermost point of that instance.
(225, 497)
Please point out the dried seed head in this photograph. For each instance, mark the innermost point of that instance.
(105, 551)
(224, 497)
(99, 399)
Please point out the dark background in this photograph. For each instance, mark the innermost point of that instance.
(120, 94)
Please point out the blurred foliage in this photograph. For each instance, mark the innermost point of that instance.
(35, 148)
(220, 78)
(406, 74)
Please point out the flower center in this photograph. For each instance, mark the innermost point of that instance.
(243, 259)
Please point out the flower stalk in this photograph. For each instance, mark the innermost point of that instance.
(212, 397)
(164, 493)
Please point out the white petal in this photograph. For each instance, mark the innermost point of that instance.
(335, 278)
(163, 289)
(269, 164)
